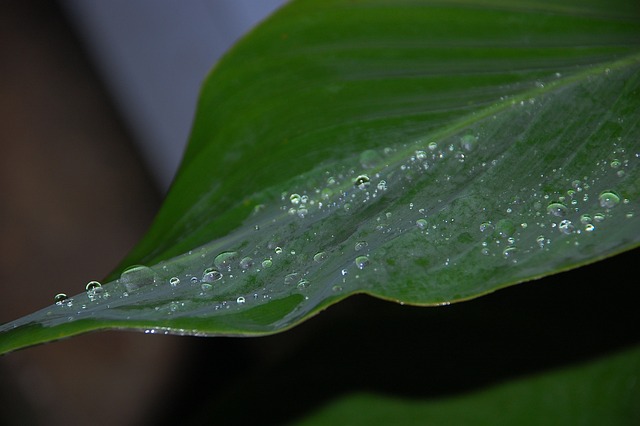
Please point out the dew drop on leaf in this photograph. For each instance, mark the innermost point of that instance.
(362, 262)
(362, 182)
(224, 260)
(320, 257)
(246, 263)
(211, 275)
(608, 199)
(137, 276)
(566, 227)
(557, 209)
(92, 285)
(59, 298)
(360, 245)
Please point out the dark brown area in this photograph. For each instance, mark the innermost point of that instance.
(74, 198)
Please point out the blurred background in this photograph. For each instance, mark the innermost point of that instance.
(96, 101)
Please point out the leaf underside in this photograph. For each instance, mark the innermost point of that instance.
(417, 151)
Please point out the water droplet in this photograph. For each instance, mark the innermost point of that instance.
(278, 250)
(295, 199)
(320, 257)
(566, 227)
(174, 281)
(589, 227)
(225, 259)
(486, 227)
(267, 263)
(421, 155)
(60, 298)
(509, 252)
(433, 146)
(246, 263)
(360, 245)
(370, 158)
(382, 185)
(609, 199)
(541, 241)
(194, 280)
(290, 278)
(92, 285)
(469, 142)
(421, 223)
(361, 262)
(557, 209)
(137, 276)
(240, 300)
(302, 284)
(206, 286)
(336, 288)
(505, 228)
(211, 275)
(344, 272)
(362, 182)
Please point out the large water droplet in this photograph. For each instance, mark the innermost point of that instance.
(362, 262)
(224, 260)
(211, 275)
(138, 276)
(566, 227)
(320, 257)
(609, 199)
(557, 209)
(421, 223)
(267, 263)
(290, 278)
(246, 263)
(174, 281)
(240, 300)
(295, 199)
(94, 290)
(92, 285)
(362, 182)
(60, 298)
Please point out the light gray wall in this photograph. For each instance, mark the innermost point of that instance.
(153, 56)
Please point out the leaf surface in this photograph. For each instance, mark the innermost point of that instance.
(419, 151)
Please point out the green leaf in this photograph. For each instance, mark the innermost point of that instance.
(418, 151)
(595, 393)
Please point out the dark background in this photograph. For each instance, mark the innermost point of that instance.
(75, 197)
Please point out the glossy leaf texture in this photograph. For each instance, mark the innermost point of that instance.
(419, 151)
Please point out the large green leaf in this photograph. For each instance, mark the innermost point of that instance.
(596, 393)
(418, 151)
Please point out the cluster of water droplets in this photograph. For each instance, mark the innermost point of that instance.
(540, 218)
(287, 247)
